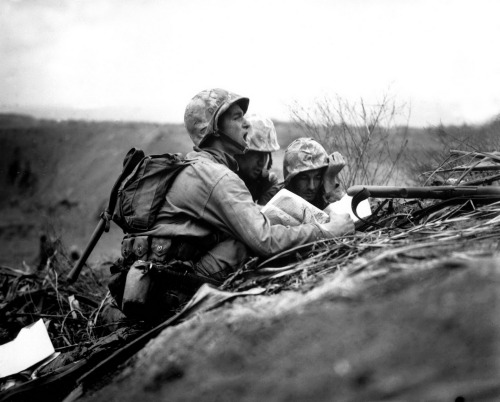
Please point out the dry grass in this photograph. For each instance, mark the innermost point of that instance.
(42, 292)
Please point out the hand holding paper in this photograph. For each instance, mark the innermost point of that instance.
(339, 224)
(287, 208)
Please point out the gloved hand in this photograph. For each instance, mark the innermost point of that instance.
(331, 185)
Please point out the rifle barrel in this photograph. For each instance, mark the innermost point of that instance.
(432, 192)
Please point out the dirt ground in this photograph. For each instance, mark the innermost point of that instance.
(426, 335)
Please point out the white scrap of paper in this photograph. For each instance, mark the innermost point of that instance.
(31, 346)
(344, 205)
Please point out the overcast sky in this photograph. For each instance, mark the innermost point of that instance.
(144, 60)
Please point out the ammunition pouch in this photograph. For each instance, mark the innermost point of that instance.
(127, 251)
(140, 247)
(161, 250)
(152, 269)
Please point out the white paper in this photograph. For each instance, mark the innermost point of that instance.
(287, 208)
(344, 205)
(279, 217)
(31, 346)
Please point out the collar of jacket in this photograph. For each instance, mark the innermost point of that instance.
(219, 157)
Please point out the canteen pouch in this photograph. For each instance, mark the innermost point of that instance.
(127, 250)
(116, 284)
(137, 290)
(161, 250)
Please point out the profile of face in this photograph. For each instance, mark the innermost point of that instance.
(307, 184)
(233, 124)
(252, 163)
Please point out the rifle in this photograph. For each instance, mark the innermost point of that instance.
(431, 192)
(360, 193)
(133, 157)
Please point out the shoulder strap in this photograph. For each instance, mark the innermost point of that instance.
(132, 159)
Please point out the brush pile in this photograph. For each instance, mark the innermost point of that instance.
(71, 313)
(40, 291)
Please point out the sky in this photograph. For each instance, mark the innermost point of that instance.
(145, 59)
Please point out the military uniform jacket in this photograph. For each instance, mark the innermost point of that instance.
(208, 196)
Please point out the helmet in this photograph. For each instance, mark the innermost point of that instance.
(203, 112)
(301, 155)
(262, 136)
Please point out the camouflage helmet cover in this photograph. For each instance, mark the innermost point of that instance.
(301, 155)
(262, 135)
(203, 112)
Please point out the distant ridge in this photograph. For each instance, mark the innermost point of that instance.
(17, 120)
(108, 114)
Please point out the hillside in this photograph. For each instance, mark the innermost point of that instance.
(70, 168)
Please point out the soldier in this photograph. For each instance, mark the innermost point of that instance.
(208, 200)
(255, 164)
(311, 173)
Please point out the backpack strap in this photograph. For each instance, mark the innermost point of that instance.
(132, 159)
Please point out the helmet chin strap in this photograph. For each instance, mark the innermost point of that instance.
(239, 146)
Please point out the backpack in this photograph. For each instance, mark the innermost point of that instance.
(142, 193)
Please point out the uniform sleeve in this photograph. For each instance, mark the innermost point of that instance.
(231, 206)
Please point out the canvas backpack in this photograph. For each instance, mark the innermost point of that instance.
(142, 193)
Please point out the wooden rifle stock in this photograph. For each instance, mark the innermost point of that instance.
(100, 228)
(133, 157)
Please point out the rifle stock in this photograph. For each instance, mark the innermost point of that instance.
(75, 272)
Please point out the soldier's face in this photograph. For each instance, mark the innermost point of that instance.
(234, 125)
(307, 184)
(252, 163)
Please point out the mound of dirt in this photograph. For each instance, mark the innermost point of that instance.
(427, 335)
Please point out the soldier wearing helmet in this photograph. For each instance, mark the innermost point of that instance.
(311, 173)
(209, 200)
(255, 164)
(202, 115)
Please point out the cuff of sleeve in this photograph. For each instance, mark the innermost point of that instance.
(320, 233)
